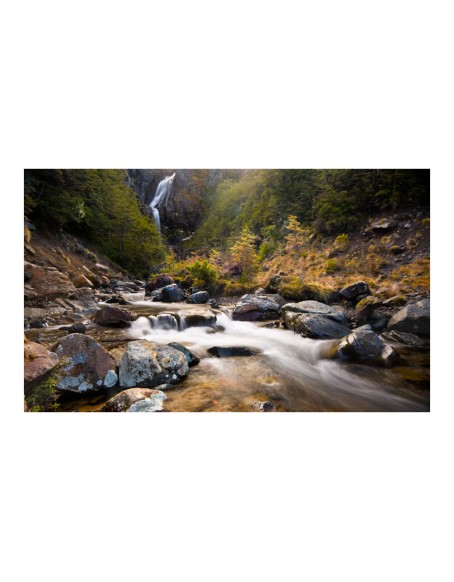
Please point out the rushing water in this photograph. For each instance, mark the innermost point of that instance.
(162, 192)
(291, 371)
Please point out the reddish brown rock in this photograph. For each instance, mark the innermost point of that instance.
(85, 365)
(48, 282)
(111, 315)
(38, 361)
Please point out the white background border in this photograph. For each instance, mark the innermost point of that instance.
(226, 496)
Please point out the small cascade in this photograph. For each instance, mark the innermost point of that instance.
(164, 321)
(162, 191)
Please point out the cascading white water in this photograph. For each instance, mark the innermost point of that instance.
(162, 191)
(292, 369)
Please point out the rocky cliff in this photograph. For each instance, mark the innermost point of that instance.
(181, 211)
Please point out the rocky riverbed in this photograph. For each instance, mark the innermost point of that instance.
(127, 347)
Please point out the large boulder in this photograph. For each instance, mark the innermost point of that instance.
(110, 315)
(316, 308)
(413, 318)
(199, 297)
(257, 308)
(315, 326)
(172, 294)
(38, 361)
(365, 345)
(353, 291)
(136, 400)
(201, 317)
(148, 364)
(85, 365)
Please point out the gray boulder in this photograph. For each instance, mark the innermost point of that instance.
(201, 317)
(353, 291)
(85, 365)
(171, 294)
(414, 318)
(316, 308)
(148, 364)
(257, 308)
(363, 344)
(199, 297)
(408, 339)
(314, 325)
(136, 400)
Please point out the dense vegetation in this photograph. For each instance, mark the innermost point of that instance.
(98, 205)
(253, 221)
(327, 201)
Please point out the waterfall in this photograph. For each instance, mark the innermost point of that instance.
(162, 192)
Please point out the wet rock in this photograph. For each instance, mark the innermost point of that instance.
(190, 357)
(352, 291)
(409, 339)
(199, 297)
(229, 352)
(413, 318)
(256, 308)
(85, 365)
(148, 364)
(38, 323)
(213, 303)
(109, 315)
(315, 326)
(172, 294)
(38, 361)
(118, 299)
(363, 344)
(136, 400)
(199, 318)
(316, 308)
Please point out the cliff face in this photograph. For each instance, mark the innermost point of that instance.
(182, 209)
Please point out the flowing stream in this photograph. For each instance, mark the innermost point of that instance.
(291, 371)
(162, 191)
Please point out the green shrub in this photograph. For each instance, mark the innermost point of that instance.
(332, 266)
(203, 272)
(43, 397)
(341, 241)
